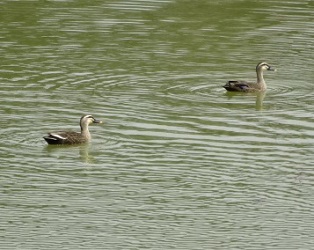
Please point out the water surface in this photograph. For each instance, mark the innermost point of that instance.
(178, 163)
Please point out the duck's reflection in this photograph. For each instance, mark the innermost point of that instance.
(82, 151)
(259, 97)
(84, 154)
(259, 100)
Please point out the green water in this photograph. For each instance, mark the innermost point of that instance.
(178, 163)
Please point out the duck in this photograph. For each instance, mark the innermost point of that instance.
(259, 85)
(71, 137)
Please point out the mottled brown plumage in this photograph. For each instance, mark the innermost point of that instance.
(243, 86)
(70, 137)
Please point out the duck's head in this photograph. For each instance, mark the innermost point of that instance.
(88, 119)
(264, 66)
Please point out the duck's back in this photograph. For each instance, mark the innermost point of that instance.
(240, 86)
(64, 137)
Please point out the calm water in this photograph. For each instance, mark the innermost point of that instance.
(178, 162)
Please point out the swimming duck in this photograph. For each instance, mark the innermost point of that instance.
(243, 86)
(70, 137)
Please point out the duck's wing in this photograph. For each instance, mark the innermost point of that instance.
(240, 86)
(61, 137)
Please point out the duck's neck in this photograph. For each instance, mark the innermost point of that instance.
(85, 132)
(260, 80)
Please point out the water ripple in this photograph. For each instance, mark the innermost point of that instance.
(176, 154)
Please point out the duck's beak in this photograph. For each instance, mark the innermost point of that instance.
(97, 121)
(271, 69)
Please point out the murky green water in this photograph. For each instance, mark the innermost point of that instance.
(178, 162)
